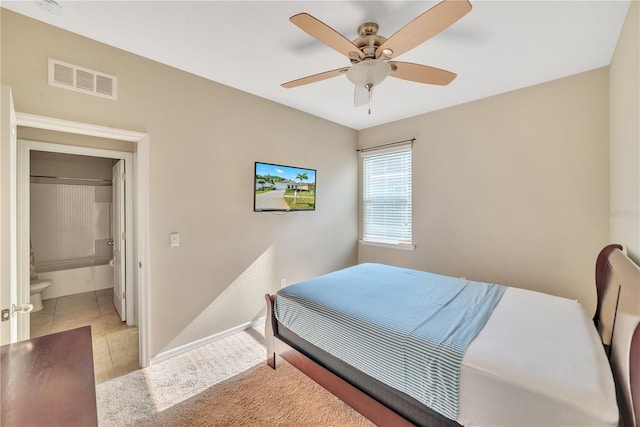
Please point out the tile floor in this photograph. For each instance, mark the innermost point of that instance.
(115, 345)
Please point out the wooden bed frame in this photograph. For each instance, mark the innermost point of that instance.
(617, 319)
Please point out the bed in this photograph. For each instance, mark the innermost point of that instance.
(534, 359)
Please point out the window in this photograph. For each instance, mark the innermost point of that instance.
(386, 196)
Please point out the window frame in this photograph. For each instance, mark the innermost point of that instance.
(392, 240)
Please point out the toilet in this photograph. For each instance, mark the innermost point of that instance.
(36, 288)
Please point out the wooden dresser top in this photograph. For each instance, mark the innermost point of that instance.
(49, 381)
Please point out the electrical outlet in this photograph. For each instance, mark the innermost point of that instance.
(283, 282)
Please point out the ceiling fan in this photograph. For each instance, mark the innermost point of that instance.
(370, 54)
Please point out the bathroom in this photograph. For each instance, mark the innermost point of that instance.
(72, 244)
(70, 210)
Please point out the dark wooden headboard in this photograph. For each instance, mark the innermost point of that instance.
(634, 373)
(618, 322)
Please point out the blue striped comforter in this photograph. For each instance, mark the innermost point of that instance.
(406, 328)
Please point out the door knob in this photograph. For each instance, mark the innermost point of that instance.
(22, 308)
(110, 243)
(7, 314)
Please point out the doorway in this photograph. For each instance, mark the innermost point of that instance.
(76, 211)
(138, 240)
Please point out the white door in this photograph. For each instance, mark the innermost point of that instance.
(15, 323)
(119, 251)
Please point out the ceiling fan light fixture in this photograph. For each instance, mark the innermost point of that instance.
(370, 52)
(371, 72)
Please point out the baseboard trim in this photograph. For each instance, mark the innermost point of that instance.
(160, 357)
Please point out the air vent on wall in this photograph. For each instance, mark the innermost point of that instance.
(82, 79)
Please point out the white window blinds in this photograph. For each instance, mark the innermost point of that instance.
(386, 194)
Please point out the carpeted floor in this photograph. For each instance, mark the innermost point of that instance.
(261, 397)
(225, 383)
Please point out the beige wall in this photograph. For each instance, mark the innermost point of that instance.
(204, 139)
(511, 189)
(624, 82)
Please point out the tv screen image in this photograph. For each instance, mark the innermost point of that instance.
(284, 188)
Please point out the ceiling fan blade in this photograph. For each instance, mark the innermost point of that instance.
(325, 34)
(425, 26)
(360, 96)
(421, 73)
(315, 78)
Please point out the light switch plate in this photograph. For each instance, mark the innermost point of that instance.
(174, 239)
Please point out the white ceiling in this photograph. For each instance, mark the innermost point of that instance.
(251, 45)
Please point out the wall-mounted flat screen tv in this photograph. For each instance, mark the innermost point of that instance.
(284, 188)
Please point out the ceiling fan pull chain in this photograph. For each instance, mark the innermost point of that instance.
(369, 87)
